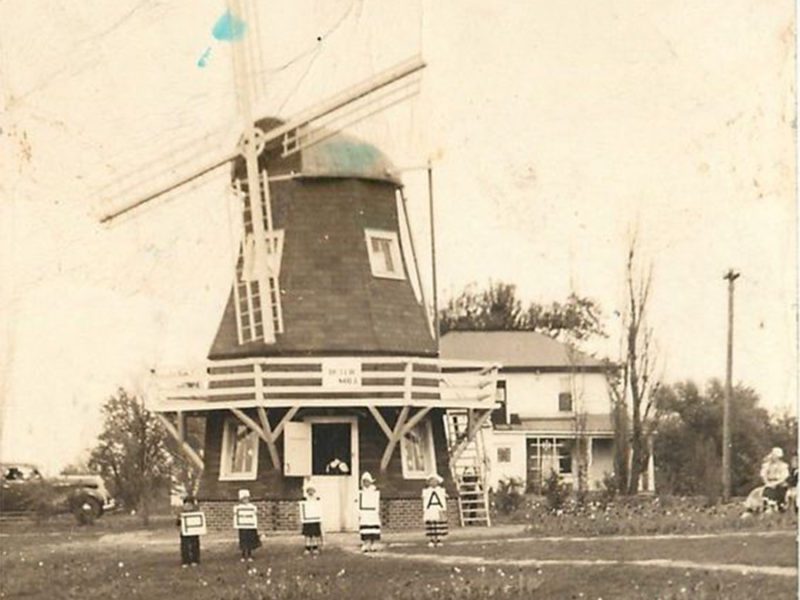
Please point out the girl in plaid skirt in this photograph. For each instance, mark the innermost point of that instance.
(434, 510)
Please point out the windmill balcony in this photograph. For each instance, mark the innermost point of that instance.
(325, 382)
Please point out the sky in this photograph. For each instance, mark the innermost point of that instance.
(555, 131)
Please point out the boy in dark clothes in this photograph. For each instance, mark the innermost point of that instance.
(190, 544)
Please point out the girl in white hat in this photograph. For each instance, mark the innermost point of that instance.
(434, 510)
(369, 513)
(245, 520)
(311, 519)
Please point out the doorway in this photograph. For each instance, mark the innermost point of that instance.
(334, 470)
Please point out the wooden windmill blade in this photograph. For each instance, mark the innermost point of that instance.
(301, 131)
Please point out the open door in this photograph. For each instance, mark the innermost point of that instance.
(297, 449)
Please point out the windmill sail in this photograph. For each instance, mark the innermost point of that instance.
(311, 126)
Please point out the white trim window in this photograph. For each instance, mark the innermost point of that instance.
(239, 456)
(417, 452)
(385, 259)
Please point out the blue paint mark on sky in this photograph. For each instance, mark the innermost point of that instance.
(203, 60)
(229, 28)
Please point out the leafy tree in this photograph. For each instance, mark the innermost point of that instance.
(497, 308)
(689, 442)
(131, 454)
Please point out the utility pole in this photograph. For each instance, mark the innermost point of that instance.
(433, 254)
(730, 276)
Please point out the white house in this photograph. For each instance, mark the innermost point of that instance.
(554, 408)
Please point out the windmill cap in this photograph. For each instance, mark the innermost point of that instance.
(777, 452)
(244, 494)
(367, 477)
(435, 477)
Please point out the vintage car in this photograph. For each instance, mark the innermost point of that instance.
(25, 490)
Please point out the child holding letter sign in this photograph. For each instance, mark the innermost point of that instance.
(434, 510)
(369, 513)
(311, 518)
(192, 524)
(245, 519)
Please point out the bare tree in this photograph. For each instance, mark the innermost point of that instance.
(632, 388)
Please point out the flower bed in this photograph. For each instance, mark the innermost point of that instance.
(638, 515)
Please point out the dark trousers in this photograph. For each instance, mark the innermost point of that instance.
(190, 549)
(777, 494)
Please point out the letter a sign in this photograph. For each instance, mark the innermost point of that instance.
(433, 503)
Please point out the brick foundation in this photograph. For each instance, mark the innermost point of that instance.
(283, 515)
(273, 515)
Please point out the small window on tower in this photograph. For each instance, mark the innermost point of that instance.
(384, 254)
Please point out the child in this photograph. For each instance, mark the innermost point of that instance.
(246, 522)
(434, 510)
(311, 518)
(190, 544)
(369, 513)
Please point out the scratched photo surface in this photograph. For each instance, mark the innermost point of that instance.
(539, 143)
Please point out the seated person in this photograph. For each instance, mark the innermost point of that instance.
(775, 472)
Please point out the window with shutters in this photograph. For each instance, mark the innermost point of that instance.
(384, 254)
(417, 452)
(239, 456)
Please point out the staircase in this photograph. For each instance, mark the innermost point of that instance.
(468, 468)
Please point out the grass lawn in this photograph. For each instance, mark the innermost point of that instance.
(776, 550)
(120, 560)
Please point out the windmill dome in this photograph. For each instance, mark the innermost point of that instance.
(338, 155)
(343, 155)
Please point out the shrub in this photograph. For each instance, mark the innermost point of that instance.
(609, 487)
(508, 497)
(555, 491)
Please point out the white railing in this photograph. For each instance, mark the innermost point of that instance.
(322, 381)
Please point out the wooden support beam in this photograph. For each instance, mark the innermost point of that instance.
(412, 422)
(190, 452)
(271, 446)
(475, 424)
(381, 421)
(264, 434)
(397, 433)
(286, 418)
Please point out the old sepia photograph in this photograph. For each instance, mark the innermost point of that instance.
(402, 299)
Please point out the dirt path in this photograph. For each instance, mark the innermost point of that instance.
(662, 536)
(664, 563)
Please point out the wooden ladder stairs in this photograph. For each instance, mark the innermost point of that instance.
(468, 469)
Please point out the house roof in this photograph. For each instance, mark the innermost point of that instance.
(515, 350)
(596, 424)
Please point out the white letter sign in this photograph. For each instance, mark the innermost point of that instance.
(341, 373)
(193, 523)
(245, 517)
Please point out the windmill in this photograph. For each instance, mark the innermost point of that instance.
(322, 341)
